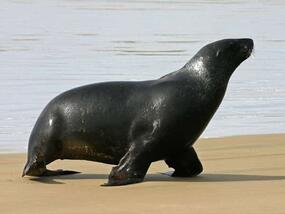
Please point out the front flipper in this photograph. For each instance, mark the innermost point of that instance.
(185, 163)
(133, 166)
(119, 177)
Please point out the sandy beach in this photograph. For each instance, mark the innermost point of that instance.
(244, 174)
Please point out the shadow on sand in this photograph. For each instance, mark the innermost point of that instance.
(162, 177)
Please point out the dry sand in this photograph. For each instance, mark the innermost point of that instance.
(243, 174)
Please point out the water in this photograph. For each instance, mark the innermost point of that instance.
(47, 47)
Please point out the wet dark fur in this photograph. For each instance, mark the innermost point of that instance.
(135, 123)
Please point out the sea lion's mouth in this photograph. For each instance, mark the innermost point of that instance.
(249, 52)
(248, 48)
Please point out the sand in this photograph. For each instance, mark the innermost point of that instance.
(244, 174)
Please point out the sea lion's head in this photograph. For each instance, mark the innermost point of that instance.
(221, 58)
(230, 50)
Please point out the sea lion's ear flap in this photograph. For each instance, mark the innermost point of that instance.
(218, 52)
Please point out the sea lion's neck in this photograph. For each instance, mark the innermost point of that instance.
(205, 70)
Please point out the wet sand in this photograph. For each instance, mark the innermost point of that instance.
(244, 174)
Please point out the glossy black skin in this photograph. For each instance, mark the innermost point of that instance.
(132, 124)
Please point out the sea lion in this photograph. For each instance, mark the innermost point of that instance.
(132, 124)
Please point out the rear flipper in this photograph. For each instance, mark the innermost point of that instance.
(186, 164)
(40, 170)
(58, 172)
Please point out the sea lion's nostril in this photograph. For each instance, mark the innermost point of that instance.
(245, 48)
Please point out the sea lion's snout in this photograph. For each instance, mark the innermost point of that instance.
(247, 46)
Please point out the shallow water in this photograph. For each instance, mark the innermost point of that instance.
(47, 47)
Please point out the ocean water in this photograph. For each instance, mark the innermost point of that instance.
(47, 47)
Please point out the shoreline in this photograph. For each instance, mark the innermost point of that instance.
(242, 174)
(3, 152)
